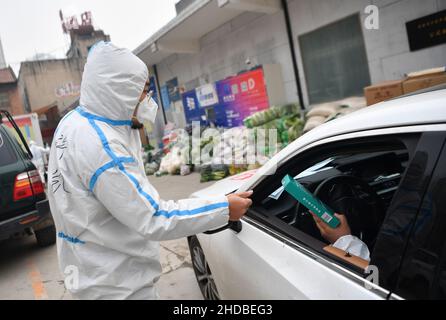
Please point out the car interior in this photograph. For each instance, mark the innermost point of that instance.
(358, 181)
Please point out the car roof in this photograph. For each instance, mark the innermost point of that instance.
(419, 109)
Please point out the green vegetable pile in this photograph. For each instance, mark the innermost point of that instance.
(213, 172)
(270, 114)
(286, 119)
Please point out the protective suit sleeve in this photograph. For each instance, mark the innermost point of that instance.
(354, 246)
(128, 195)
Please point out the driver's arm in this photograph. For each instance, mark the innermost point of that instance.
(341, 237)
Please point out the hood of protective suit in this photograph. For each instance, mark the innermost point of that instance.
(113, 81)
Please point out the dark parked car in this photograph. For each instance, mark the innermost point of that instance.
(24, 207)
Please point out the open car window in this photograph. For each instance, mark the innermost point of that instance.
(358, 180)
(321, 166)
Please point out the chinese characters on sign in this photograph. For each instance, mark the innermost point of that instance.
(232, 99)
(427, 31)
(241, 96)
(192, 111)
(68, 90)
(207, 95)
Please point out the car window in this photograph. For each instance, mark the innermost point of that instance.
(378, 170)
(357, 178)
(407, 206)
(423, 272)
(7, 154)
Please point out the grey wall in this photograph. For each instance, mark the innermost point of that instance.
(387, 48)
(45, 82)
(263, 39)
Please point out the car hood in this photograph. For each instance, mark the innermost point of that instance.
(225, 186)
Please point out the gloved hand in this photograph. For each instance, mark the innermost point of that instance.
(238, 204)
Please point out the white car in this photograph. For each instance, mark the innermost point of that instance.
(384, 167)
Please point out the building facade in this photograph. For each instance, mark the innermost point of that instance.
(47, 82)
(10, 99)
(335, 52)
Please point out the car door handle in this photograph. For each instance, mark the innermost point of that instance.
(236, 226)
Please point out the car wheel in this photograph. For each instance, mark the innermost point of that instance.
(202, 272)
(46, 236)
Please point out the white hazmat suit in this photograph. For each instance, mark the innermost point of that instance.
(109, 218)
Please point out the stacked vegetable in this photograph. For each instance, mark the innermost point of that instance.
(152, 160)
(213, 172)
(178, 157)
(285, 119)
(221, 153)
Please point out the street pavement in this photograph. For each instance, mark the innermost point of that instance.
(30, 272)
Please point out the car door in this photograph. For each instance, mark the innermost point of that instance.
(258, 263)
(407, 211)
(261, 262)
(423, 269)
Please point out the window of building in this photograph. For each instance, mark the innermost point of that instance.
(4, 100)
(335, 61)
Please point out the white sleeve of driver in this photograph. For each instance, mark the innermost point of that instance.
(129, 197)
(354, 246)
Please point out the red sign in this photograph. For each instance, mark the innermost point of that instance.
(71, 23)
(241, 96)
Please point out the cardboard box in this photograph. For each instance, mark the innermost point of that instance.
(422, 82)
(383, 91)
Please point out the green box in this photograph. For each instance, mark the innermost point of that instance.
(301, 194)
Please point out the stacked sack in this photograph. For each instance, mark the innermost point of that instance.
(324, 112)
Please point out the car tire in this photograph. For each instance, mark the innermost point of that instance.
(46, 236)
(202, 271)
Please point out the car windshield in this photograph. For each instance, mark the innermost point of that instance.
(7, 154)
(318, 167)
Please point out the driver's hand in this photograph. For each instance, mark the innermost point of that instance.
(332, 234)
(238, 204)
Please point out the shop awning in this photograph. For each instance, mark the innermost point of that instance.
(182, 34)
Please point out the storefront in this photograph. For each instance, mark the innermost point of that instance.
(211, 42)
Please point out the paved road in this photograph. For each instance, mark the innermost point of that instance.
(30, 272)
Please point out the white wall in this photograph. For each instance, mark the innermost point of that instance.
(259, 37)
(263, 39)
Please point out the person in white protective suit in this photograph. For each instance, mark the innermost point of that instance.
(38, 153)
(109, 218)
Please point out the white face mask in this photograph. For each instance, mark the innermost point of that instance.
(147, 110)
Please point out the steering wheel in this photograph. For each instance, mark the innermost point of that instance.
(354, 198)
